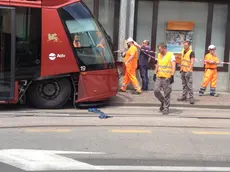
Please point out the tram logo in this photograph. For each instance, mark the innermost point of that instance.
(53, 37)
(53, 56)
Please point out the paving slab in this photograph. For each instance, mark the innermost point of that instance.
(148, 99)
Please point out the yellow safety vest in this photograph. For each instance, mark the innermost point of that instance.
(185, 61)
(164, 65)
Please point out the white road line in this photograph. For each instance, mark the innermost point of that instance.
(165, 168)
(47, 151)
(45, 160)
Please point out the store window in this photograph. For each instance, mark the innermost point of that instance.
(196, 12)
(219, 28)
(144, 21)
(106, 15)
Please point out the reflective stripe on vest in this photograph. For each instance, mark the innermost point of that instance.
(185, 61)
(164, 65)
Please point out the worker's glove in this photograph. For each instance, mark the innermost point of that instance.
(154, 77)
(123, 54)
(135, 43)
(172, 79)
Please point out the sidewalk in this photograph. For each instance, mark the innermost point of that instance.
(148, 99)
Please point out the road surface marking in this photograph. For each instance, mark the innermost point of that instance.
(210, 133)
(45, 160)
(165, 168)
(131, 131)
(48, 130)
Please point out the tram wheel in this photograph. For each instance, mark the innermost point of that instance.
(49, 94)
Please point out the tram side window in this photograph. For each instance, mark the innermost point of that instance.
(28, 36)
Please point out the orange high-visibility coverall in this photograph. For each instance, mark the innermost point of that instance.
(210, 74)
(131, 67)
(76, 44)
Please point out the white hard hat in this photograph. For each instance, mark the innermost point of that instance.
(211, 47)
(129, 40)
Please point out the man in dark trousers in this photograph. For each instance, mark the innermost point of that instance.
(143, 63)
(164, 76)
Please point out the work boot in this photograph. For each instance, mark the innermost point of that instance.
(192, 101)
(165, 112)
(214, 94)
(162, 107)
(182, 99)
(121, 90)
(137, 92)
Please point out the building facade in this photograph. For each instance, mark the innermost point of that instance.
(147, 19)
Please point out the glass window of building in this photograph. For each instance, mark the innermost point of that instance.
(106, 15)
(196, 12)
(219, 28)
(144, 20)
(90, 4)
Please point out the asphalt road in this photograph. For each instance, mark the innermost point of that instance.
(114, 148)
(134, 139)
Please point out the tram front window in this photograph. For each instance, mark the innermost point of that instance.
(86, 37)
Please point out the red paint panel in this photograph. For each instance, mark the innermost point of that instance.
(81, 88)
(97, 98)
(43, 3)
(35, 4)
(57, 54)
(97, 85)
(57, 2)
(4, 2)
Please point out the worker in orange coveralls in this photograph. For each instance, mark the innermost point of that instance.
(76, 42)
(210, 75)
(131, 60)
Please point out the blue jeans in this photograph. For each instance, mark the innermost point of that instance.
(144, 77)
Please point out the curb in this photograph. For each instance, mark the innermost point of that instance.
(171, 105)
